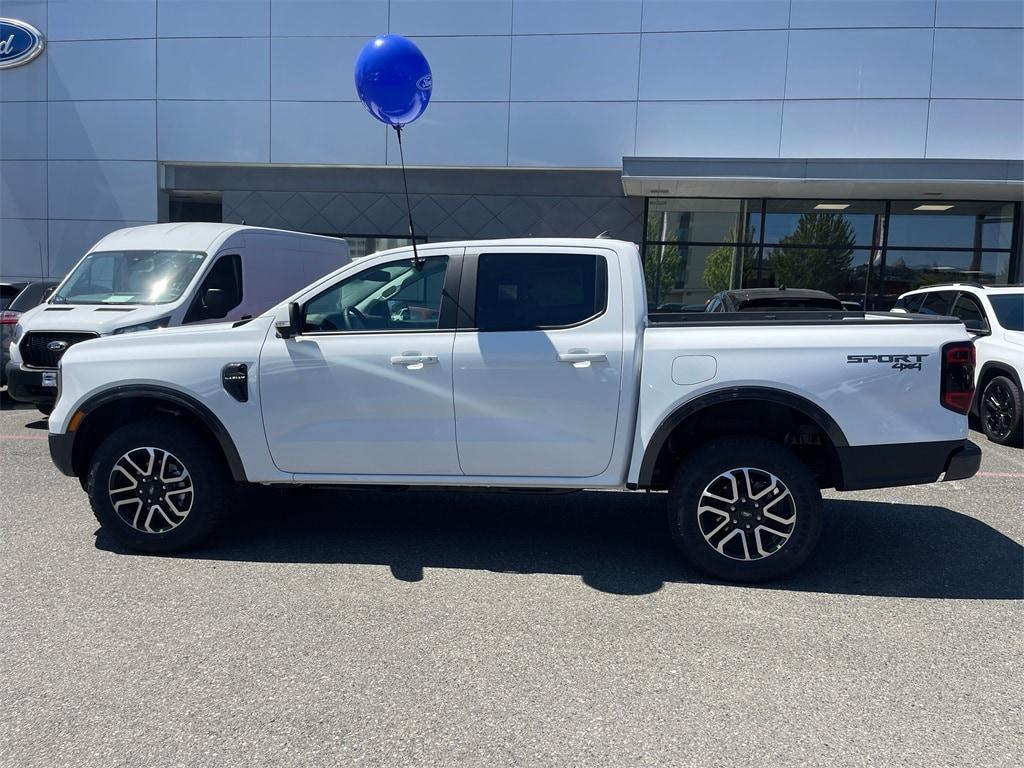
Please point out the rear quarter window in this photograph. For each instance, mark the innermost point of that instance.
(910, 303)
(937, 303)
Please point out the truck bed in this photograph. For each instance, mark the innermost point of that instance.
(795, 317)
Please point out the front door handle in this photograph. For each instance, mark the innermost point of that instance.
(582, 358)
(414, 360)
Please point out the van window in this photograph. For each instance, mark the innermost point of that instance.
(226, 277)
(130, 277)
(529, 291)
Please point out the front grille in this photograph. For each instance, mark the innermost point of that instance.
(34, 349)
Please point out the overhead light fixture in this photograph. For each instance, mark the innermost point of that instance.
(831, 206)
(932, 207)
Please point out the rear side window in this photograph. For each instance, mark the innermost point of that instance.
(936, 303)
(7, 294)
(971, 313)
(910, 303)
(530, 291)
(30, 297)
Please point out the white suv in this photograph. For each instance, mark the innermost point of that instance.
(995, 316)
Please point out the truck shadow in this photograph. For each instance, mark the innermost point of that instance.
(616, 542)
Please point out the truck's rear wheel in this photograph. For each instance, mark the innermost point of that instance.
(155, 487)
(745, 509)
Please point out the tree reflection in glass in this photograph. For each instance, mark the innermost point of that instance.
(818, 254)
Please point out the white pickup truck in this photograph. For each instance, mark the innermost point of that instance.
(519, 364)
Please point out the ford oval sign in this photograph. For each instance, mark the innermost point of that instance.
(57, 346)
(19, 43)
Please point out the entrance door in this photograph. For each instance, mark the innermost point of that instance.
(538, 374)
(366, 388)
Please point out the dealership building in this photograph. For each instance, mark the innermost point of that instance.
(865, 147)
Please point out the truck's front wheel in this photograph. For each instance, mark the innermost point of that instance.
(745, 509)
(156, 487)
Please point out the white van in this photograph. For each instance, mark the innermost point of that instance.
(160, 275)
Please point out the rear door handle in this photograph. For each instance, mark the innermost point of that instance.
(581, 358)
(414, 360)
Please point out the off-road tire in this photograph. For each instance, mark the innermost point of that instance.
(206, 472)
(711, 467)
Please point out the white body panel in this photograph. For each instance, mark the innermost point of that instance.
(872, 403)
(499, 408)
(522, 411)
(342, 407)
(188, 359)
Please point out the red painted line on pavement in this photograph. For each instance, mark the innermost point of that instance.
(22, 437)
(1000, 474)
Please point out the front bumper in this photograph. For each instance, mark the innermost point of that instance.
(26, 385)
(62, 452)
(887, 466)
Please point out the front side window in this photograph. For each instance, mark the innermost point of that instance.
(532, 291)
(388, 297)
(130, 277)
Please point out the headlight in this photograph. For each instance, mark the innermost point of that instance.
(152, 324)
(17, 333)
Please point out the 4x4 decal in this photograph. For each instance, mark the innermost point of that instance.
(899, 362)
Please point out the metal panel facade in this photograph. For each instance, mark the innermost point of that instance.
(519, 83)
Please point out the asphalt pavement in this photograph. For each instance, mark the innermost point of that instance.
(361, 628)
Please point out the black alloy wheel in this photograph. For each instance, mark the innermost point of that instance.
(1000, 411)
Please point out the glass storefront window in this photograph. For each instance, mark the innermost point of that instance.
(941, 224)
(843, 272)
(839, 246)
(690, 274)
(703, 221)
(822, 222)
(906, 270)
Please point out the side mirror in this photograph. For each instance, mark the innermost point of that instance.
(289, 322)
(215, 301)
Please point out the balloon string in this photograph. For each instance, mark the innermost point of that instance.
(416, 263)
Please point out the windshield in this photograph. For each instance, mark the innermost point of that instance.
(130, 277)
(1009, 309)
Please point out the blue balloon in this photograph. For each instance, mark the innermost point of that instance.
(393, 79)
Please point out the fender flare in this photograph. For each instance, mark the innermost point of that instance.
(734, 394)
(180, 401)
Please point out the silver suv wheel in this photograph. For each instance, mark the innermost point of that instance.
(151, 490)
(746, 514)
